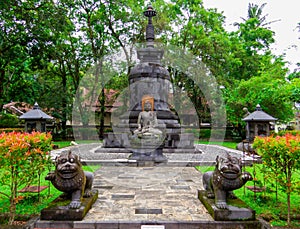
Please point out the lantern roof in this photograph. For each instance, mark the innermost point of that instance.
(35, 113)
(259, 115)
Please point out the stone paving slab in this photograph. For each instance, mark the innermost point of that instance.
(147, 193)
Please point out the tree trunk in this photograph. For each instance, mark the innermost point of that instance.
(276, 188)
(13, 195)
(289, 191)
(239, 129)
(289, 208)
(102, 113)
(64, 107)
(2, 79)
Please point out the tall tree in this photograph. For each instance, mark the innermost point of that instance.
(233, 58)
(260, 78)
(200, 32)
(52, 46)
(15, 42)
(256, 11)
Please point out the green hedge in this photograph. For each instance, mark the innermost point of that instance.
(284, 132)
(8, 120)
(206, 133)
(8, 130)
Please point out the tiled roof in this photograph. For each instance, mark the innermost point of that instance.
(259, 115)
(35, 113)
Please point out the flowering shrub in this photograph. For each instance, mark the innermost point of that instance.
(22, 157)
(282, 155)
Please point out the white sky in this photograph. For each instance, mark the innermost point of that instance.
(286, 34)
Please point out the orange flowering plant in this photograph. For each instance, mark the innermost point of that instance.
(281, 154)
(23, 156)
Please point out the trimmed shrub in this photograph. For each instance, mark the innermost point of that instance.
(22, 157)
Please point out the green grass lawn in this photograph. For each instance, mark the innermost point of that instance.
(62, 144)
(264, 203)
(231, 145)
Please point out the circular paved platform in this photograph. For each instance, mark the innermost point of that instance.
(202, 155)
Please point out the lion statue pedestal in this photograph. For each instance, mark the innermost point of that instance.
(218, 197)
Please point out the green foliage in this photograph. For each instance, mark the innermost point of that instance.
(23, 156)
(8, 120)
(281, 155)
(270, 93)
(48, 48)
(294, 89)
(23, 40)
(205, 133)
(285, 132)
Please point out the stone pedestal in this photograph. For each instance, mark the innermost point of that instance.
(172, 141)
(237, 209)
(115, 140)
(58, 209)
(155, 155)
(148, 148)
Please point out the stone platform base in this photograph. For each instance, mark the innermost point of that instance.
(237, 210)
(147, 224)
(59, 210)
(172, 140)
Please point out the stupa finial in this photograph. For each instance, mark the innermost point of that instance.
(149, 13)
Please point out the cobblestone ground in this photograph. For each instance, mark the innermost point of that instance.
(147, 193)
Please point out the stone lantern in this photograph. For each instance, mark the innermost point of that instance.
(35, 119)
(258, 123)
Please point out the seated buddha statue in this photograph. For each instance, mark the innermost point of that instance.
(147, 122)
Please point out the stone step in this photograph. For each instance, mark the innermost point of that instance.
(165, 150)
(127, 162)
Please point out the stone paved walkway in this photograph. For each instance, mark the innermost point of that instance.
(158, 193)
(130, 196)
(147, 193)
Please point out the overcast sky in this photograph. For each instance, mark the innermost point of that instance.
(286, 34)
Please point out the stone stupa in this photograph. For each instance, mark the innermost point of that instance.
(149, 79)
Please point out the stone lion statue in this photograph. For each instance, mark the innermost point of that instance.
(69, 178)
(226, 177)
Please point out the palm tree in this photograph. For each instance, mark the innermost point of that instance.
(255, 11)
